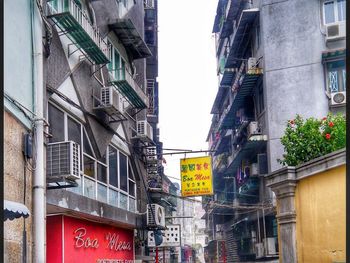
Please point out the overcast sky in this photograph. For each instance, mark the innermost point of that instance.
(187, 76)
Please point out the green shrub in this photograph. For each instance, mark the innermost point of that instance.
(312, 138)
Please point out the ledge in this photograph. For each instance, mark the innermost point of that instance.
(315, 166)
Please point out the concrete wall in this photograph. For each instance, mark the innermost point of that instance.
(17, 181)
(321, 220)
(18, 56)
(293, 72)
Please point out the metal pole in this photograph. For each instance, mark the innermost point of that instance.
(263, 213)
(39, 202)
(157, 260)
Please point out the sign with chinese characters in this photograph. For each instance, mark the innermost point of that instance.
(74, 240)
(196, 176)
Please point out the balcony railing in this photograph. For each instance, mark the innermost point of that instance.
(74, 22)
(125, 83)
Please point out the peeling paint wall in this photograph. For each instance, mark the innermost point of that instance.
(320, 208)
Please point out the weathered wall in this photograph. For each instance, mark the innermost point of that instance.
(16, 183)
(320, 209)
(293, 72)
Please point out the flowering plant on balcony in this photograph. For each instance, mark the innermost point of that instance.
(312, 138)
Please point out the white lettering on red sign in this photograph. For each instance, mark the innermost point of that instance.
(115, 244)
(82, 241)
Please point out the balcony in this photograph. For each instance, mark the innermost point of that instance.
(131, 39)
(124, 82)
(71, 20)
(244, 85)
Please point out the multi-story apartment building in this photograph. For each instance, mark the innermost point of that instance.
(275, 59)
(82, 93)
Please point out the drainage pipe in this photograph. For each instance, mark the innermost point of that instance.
(39, 201)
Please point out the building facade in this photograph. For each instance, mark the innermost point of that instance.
(275, 59)
(81, 128)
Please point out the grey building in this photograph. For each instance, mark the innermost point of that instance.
(275, 59)
(83, 101)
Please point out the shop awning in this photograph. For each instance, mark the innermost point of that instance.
(130, 38)
(14, 210)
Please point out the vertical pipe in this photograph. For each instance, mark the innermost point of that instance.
(39, 207)
(263, 214)
(157, 260)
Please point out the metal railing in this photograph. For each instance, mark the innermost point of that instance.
(55, 7)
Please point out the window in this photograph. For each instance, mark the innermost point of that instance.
(108, 179)
(336, 76)
(334, 11)
(261, 105)
(116, 67)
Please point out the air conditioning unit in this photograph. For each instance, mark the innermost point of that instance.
(254, 169)
(335, 31)
(270, 245)
(219, 228)
(144, 130)
(110, 101)
(253, 129)
(158, 217)
(148, 4)
(251, 64)
(62, 161)
(151, 155)
(338, 98)
(259, 250)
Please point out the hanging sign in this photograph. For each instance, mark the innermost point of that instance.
(196, 176)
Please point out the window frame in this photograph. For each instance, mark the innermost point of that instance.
(335, 12)
(341, 75)
(80, 189)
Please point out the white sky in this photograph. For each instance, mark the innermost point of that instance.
(187, 76)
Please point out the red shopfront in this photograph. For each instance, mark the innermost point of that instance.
(71, 240)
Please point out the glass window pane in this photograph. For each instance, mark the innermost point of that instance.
(131, 188)
(56, 120)
(102, 193)
(123, 201)
(123, 172)
(74, 131)
(132, 204)
(113, 167)
(329, 12)
(341, 10)
(89, 188)
(344, 79)
(101, 173)
(89, 166)
(333, 81)
(87, 148)
(113, 197)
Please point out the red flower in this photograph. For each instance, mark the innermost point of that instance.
(331, 124)
(324, 118)
(291, 122)
(328, 136)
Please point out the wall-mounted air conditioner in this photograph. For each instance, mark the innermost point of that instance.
(148, 4)
(158, 217)
(253, 129)
(144, 130)
(270, 245)
(110, 101)
(338, 98)
(259, 250)
(251, 64)
(62, 161)
(254, 171)
(335, 31)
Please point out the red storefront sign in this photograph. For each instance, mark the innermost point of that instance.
(71, 240)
